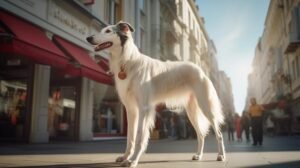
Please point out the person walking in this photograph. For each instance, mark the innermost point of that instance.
(238, 128)
(256, 114)
(230, 127)
(245, 123)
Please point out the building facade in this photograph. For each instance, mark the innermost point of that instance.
(53, 86)
(225, 94)
(276, 61)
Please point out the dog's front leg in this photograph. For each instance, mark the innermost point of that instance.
(132, 123)
(145, 123)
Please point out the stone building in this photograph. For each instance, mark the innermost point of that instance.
(276, 63)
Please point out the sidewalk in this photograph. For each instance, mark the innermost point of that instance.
(276, 152)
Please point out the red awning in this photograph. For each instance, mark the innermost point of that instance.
(86, 65)
(103, 63)
(30, 41)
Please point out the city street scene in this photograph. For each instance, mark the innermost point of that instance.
(86, 83)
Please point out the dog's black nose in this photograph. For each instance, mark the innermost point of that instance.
(89, 39)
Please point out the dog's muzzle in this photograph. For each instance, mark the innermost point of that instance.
(103, 46)
(99, 47)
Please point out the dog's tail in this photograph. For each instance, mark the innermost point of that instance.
(214, 103)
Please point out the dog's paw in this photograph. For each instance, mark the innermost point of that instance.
(129, 163)
(197, 157)
(120, 159)
(221, 158)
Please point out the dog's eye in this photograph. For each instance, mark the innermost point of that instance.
(107, 31)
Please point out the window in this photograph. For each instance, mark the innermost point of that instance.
(12, 108)
(63, 106)
(294, 70)
(107, 115)
(15, 97)
(297, 66)
(142, 5)
(107, 10)
(180, 8)
(113, 11)
(189, 19)
(61, 113)
(143, 40)
(117, 11)
(295, 22)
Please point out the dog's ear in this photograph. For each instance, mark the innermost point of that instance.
(124, 27)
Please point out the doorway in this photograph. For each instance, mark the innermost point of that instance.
(63, 112)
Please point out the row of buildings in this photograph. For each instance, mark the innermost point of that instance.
(53, 86)
(275, 79)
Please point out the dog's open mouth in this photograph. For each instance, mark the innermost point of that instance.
(103, 46)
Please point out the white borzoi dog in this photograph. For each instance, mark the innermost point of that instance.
(143, 82)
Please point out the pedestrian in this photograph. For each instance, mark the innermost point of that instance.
(237, 123)
(256, 114)
(270, 124)
(230, 127)
(245, 122)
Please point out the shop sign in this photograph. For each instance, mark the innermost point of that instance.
(13, 62)
(67, 18)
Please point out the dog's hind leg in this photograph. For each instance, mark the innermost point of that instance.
(200, 124)
(210, 104)
(219, 137)
(132, 124)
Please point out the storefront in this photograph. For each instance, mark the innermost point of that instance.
(50, 86)
(15, 79)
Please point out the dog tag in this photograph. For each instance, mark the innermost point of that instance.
(122, 75)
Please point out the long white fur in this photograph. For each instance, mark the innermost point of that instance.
(149, 82)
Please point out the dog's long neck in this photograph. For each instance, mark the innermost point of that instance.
(122, 55)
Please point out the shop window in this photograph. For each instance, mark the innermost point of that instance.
(12, 108)
(61, 114)
(107, 115)
(14, 77)
(62, 106)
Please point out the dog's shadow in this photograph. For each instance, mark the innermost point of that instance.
(114, 164)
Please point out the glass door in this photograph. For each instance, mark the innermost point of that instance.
(63, 106)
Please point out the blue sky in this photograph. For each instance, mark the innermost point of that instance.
(235, 26)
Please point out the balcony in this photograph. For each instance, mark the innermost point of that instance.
(293, 42)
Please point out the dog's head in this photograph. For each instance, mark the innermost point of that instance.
(111, 36)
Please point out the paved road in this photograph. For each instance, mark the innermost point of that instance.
(277, 152)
